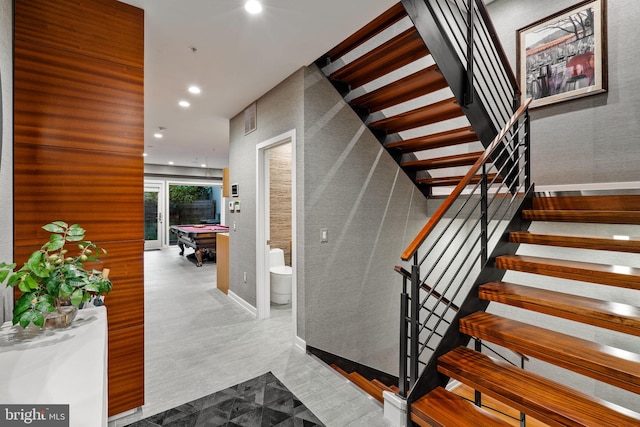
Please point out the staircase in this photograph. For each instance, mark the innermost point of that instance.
(455, 122)
(543, 398)
(388, 76)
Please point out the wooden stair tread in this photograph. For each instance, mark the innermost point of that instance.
(340, 370)
(608, 364)
(619, 317)
(543, 399)
(370, 388)
(465, 159)
(611, 275)
(588, 216)
(381, 23)
(410, 87)
(496, 407)
(581, 242)
(442, 408)
(396, 53)
(429, 114)
(437, 140)
(454, 180)
(620, 202)
(384, 387)
(373, 388)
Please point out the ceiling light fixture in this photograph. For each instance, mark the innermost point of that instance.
(253, 7)
(159, 134)
(194, 89)
(203, 165)
(170, 163)
(184, 103)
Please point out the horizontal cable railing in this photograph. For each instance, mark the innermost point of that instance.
(451, 250)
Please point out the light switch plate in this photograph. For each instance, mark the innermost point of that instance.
(324, 235)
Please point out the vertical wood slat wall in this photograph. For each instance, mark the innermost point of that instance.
(78, 143)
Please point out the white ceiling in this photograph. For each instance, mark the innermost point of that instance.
(239, 58)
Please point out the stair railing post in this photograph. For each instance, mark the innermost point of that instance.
(468, 96)
(484, 224)
(523, 416)
(415, 302)
(404, 325)
(527, 148)
(477, 396)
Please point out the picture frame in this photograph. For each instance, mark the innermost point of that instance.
(564, 56)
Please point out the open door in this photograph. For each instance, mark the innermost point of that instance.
(266, 206)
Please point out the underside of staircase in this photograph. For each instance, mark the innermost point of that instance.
(568, 283)
(389, 78)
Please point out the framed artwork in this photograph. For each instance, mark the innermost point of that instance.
(564, 56)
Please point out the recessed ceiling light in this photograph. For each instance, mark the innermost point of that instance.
(194, 89)
(253, 6)
(170, 163)
(203, 165)
(157, 135)
(144, 154)
(184, 103)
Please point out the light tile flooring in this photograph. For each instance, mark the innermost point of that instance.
(197, 342)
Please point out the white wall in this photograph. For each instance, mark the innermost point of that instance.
(6, 159)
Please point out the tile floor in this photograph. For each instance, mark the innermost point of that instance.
(198, 342)
(261, 401)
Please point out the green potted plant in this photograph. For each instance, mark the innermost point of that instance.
(53, 282)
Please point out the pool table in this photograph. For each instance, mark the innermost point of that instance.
(201, 237)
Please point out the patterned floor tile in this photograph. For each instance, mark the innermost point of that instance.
(260, 402)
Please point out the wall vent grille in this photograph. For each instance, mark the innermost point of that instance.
(250, 119)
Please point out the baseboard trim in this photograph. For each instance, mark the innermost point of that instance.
(123, 414)
(300, 343)
(243, 304)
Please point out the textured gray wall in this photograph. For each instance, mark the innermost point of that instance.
(347, 290)
(592, 139)
(372, 211)
(6, 157)
(278, 111)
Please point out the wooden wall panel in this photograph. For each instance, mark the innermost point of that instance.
(78, 143)
(126, 369)
(125, 303)
(101, 191)
(107, 30)
(77, 102)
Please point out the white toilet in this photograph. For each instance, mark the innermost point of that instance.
(280, 277)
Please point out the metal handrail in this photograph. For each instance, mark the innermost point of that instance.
(461, 245)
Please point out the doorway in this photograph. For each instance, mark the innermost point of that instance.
(153, 218)
(265, 201)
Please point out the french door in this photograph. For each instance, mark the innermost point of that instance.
(153, 215)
